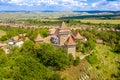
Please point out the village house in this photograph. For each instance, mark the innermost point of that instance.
(99, 41)
(39, 39)
(18, 40)
(77, 36)
(15, 38)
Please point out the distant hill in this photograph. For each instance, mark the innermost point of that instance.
(97, 11)
(18, 15)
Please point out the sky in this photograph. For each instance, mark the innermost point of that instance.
(59, 5)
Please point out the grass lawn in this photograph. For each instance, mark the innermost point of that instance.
(2, 33)
(107, 65)
(102, 21)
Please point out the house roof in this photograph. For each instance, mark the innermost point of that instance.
(22, 35)
(77, 35)
(70, 41)
(3, 44)
(38, 39)
(15, 38)
(26, 38)
(63, 29)
(52, 31)
(98, 41)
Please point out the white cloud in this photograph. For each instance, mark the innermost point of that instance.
(98, 3)
(106, 5)
(70, 3)
(113, 5)
(67, 4)
(1, 0)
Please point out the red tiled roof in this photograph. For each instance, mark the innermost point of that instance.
(63, 29)
(52, 31)
(38, 39)
(77, 35)
(70, 41)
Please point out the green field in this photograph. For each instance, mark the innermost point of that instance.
(34, 15)
(101, 21)
(56, 15)
(2, 33)
(108, 64)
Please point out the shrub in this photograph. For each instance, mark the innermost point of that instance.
(77, 61)
(92, 59)
(4, 38)
(55, 76)
(71, 59)
(49, 55)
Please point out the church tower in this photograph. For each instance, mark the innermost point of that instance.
(63, 32)
(70, 45)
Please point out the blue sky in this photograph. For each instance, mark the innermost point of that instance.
(59, 5)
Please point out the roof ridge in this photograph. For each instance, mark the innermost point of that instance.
(63, 25)
(38, 38)
(77, 35)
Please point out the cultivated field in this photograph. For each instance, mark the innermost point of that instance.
(101, 21)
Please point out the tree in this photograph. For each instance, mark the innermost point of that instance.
(55, 76)
(4, 38)
(49, 55)
(90, 44)
(71, 59)
(60, 60)
(77, 61)
(28, 47)
(117, 47)
(79, 46)
(3, 57)
(92, 59)
(23, 67)
(45, 53)
(44, 32)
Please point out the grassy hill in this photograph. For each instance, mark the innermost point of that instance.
(106, 69)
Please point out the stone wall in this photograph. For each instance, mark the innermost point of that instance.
(71, 50)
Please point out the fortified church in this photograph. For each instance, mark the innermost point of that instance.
(63, 37)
